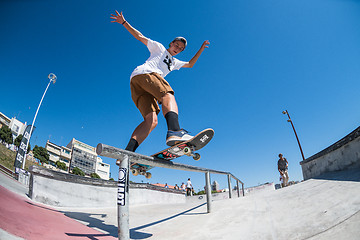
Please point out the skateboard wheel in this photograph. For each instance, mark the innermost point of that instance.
(197, 157)
(148, 175)
(135, 172)
(187, 151)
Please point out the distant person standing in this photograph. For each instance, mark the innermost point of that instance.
(188, 187)
(182, 187)
(283, 170)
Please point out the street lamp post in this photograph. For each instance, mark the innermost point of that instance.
(52, 77)
(290, 121)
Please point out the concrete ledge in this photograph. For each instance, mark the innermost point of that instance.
(225, 195)
(68, 190)
(344, 154)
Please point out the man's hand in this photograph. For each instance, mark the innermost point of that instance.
(205, 45)
(119, 18)
(197, 55)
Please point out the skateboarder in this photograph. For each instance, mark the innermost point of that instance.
(283, 170)
(148, 86)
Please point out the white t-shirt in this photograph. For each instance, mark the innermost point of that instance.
(160, 61)
(188, 184)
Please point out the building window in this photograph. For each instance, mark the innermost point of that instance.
(64, 160)
(15, 128)
(66, 151)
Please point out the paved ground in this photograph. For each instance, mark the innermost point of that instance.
(21, 218)
(317, 209)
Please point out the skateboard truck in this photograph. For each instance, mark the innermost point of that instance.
(141, 171)
(137, 171)
(188, 151)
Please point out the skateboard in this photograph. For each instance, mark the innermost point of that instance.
(187, 148)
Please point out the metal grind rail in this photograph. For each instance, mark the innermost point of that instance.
(123, 183)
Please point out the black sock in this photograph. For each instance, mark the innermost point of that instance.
(172, 121)
(132, 145)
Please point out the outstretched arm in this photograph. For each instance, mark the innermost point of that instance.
(119, 18)
(197, 55)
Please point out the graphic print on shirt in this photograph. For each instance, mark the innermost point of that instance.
(168, 62)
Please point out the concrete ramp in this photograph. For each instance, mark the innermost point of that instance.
(318, 209)
(324, 208)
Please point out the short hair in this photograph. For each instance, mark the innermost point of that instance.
(181, 39)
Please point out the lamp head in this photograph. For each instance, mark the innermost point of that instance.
(52, 77)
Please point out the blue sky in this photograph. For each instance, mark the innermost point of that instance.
(265, 56)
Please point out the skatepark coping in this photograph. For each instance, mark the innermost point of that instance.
(343, 154)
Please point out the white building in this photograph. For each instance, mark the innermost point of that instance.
(58, 153)
(102, 169)
(4, 120)
(15, 125)
(85, 157)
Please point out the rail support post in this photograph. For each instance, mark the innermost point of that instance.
(208, 191)
(123, 199)
(229, 183)
(238, 189)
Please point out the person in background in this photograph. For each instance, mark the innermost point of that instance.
(182, 187)
(283, 170)
(188, 187)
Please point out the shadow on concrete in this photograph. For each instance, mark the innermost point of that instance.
(96, 223)
(89, 236)
(343, 175)
(135, 234)
(93, 222)
(85, 217)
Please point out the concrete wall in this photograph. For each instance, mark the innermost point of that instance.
(225, 195)
(344, 154)
(68, 190)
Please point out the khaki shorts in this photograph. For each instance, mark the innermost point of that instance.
(147, 90)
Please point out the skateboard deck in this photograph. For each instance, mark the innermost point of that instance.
(188, 148)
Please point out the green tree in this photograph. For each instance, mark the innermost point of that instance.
(41, 154)
(78, 171)
(6, 135)
(204, 192)
(18, 140)
(94, 175)
(61, 165)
